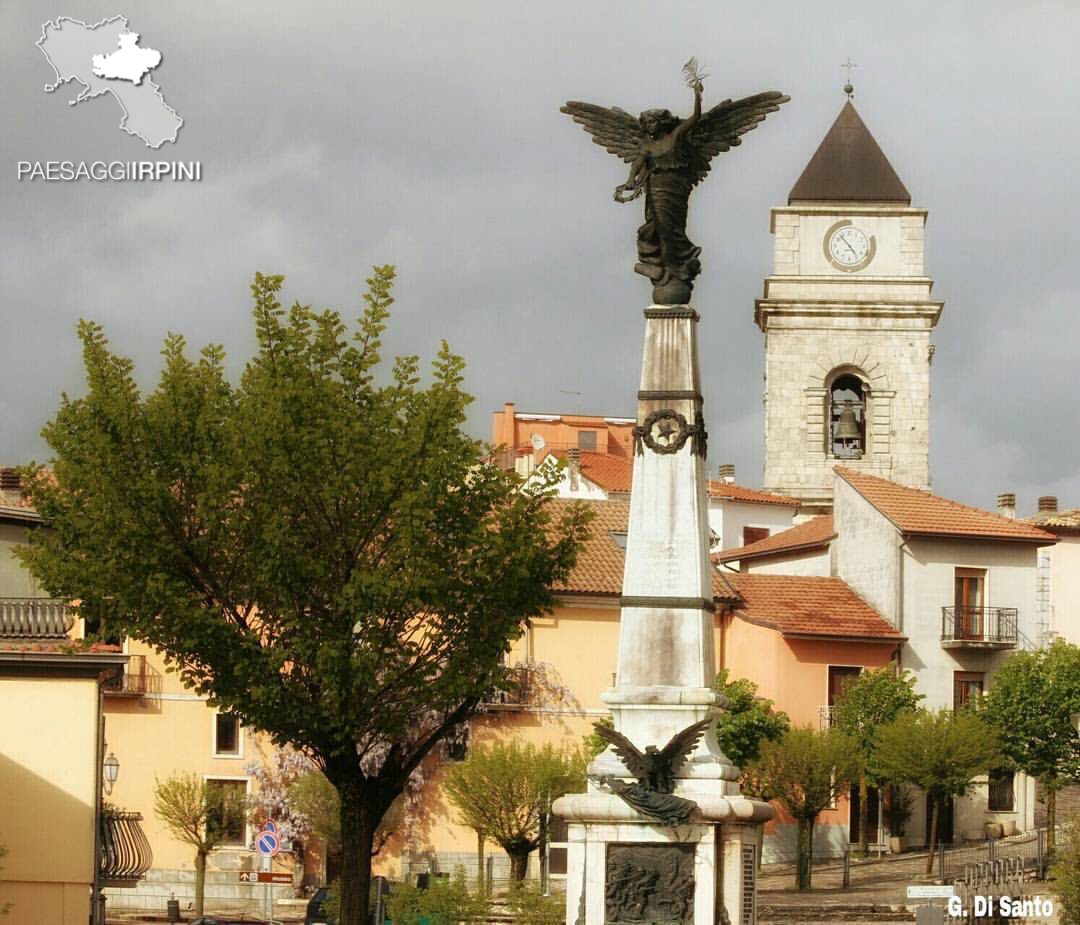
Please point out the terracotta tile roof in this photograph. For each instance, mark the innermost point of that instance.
(805, 605)
(611, 473)
(914, 511)
(816, 532)
(1057, 521)
(599, 568)
(738, 493)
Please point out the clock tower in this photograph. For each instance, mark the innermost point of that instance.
(847, 317)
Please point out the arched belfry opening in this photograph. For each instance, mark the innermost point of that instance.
(847, 398)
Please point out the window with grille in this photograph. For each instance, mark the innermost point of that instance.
(1001, 791)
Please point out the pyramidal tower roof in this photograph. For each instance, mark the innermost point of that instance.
(848, 166)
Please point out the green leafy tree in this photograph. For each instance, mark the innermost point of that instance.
(747, 721)
(200, 814)
(806, 771)
(505, 790)
(939, 752)
(1066, 876)
(1030, 704)
(867, 703)
(320, 549)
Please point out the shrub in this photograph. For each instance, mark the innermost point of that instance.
(531, 907)
(445, 902)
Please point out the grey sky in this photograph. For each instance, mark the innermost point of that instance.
(338, 135)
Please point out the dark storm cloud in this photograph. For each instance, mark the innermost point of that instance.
(336, 135)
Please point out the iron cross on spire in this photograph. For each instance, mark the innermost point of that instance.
(848, 88)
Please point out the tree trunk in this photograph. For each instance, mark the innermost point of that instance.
(864, 814)
(932, 840)
(480, 863)
(519, 861)
(1051, 820)
(200, 880)
(542, 846)
(804, 853)
(358, 824)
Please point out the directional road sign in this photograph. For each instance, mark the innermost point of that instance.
(262, 876)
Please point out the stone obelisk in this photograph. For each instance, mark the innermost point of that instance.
(624, 866)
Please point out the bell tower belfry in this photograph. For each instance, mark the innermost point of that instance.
(847, 317)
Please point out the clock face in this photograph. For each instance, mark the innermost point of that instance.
(849, 247)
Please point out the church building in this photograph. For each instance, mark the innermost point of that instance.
(847, 315)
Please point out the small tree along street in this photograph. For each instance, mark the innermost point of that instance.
(867, 703)
(202, 815)
(940, 752)
(747, 721)
(1031, 704)
(320, 549)
(504, 792)
(806, 772)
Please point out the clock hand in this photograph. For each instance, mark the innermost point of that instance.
(849, 247)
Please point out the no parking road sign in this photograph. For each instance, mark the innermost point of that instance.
(267, 843)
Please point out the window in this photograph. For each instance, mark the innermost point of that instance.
(233, 825)
(967, 688)
(753, 534)
(226, 736)
(839, 677)
(558, 842)
(456, 743)
(969, 603)
(846, 416)
(1001, 791)
(586, 440)
(97, 629)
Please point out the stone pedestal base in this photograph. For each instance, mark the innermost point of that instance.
(626, 870)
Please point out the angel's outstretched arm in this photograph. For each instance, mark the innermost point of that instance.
(690, 122)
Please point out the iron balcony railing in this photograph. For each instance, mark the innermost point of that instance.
(34, 617)
(979, 626)
(136, 680)
(519, 692)
(125, 851)
(826, 717)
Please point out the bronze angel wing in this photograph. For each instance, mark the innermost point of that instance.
(614, 129)
(624, 748)
(719, 129)
(682, 743)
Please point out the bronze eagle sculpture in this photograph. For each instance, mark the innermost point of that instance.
(655, 769)
(668, 157)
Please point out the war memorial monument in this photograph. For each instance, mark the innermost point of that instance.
(663, 834)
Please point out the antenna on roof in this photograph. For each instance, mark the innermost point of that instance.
(537, 442)
(848, 88)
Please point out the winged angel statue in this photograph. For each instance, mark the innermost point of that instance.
(668, 157)
(655, 770)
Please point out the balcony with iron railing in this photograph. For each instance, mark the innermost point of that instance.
(125, 851)
(136, 680)
(826, 717)
(34, 618)
(519, 691)
(979, 627)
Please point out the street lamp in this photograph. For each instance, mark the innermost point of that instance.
(111, 768)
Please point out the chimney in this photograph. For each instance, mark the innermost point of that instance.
(726, 472)
(9, 480)
(1006, 505)
(573, 466)
(1048, 504)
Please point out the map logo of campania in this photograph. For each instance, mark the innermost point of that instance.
(106, 58)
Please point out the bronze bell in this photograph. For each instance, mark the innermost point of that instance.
(847, 427)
